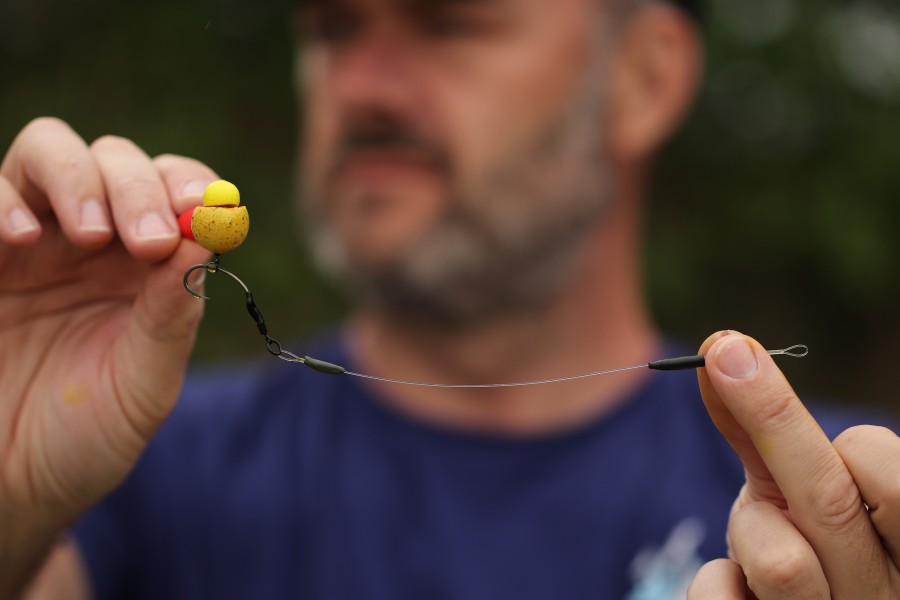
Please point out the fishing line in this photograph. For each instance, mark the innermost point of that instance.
(222, 224)
(274, 347)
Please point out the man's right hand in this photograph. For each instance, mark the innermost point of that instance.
(95, 327)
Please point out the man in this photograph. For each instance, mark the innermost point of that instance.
(474, 172)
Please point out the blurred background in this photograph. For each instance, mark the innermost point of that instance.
(774, 211)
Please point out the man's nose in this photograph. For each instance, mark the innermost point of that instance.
(375, 70)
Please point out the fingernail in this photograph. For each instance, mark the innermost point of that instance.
(736, 359)
(194, 188)
(93, 216)
(20, 223)
(153, 227)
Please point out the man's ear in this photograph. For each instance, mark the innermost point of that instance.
(655, 73)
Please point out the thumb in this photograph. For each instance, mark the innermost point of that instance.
(158, 340)
(791, 463)
(761, 485)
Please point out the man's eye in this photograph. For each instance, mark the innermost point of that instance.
(448, 26)
(333, 29)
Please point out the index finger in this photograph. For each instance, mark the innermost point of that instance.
(50, 165)
(790, 461)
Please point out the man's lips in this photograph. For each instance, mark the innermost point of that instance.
(374, 167)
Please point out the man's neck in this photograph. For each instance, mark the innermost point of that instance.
(598, 322)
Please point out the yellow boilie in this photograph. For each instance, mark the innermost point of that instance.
(221, 224)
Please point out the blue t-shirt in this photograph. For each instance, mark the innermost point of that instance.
(274, 481)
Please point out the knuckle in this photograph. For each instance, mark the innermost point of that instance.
(790, 568)
(860, 435)
(135, 188)
(70, 165)
(708, 577)
(836, 501)
(112, 143)
(177, 165)
(775, 408)
(850, 437)
(33, 137)
(169, 159)
(44, 124)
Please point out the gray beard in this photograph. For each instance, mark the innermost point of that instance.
(507, 246)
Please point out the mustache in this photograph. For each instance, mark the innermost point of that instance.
(390, 138)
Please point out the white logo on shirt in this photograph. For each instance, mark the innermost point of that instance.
(666, 573)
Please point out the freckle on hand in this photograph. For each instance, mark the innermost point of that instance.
(75, 394)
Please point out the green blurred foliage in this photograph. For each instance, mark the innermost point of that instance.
(772, 211)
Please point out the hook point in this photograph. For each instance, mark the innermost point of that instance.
(187, 286)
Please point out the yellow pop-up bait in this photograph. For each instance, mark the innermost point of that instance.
(221, 224)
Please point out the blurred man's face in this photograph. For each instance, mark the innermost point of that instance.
(453, 155)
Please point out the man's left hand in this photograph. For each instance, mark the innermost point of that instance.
(815, 519)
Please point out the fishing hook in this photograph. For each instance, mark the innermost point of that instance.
(211, 267)
(272, 345)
